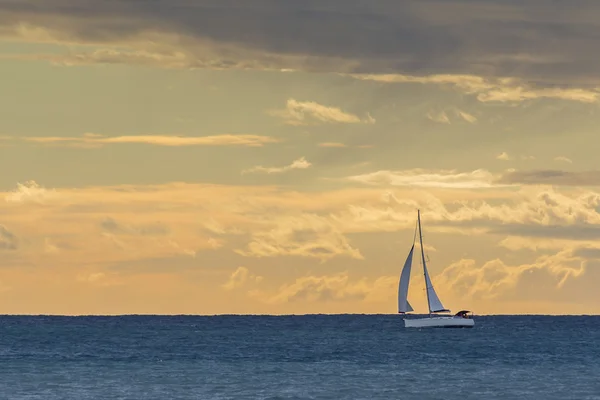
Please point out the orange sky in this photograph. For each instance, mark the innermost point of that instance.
(150, 165)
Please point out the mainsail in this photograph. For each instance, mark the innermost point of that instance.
(435, 305)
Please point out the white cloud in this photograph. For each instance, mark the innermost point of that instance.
(30, 192)
(310, 112)
(503, 156)
(300, 163)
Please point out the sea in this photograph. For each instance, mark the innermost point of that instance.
(297, 357)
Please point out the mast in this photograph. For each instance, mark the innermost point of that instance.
(423, 260)
(433, 301)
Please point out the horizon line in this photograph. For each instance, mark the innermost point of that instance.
(280, 315)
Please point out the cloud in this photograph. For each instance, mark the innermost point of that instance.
(300, 163)
(332, 288)
(563, 159)
(331, 144)
(30, 192)
(87, 237)
(578, 231)
(276, 222)
(466, 116)
(424, 178)
(310, 112)
(443, 117)
(477, 179)
(158, 140)
(110, 225)
(102, 279)
(305, 235)
(431, 37)
(494, 278)
(284, 233)
(551, 177)
(499, 90)
(529, 211)
(240, 278)
(8, 240)
(503, 156)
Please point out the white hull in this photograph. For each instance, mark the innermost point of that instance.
(439, 322)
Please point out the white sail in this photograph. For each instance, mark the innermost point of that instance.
(435, 305)
(403, 304)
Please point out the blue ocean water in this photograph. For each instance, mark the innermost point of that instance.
(297, 357)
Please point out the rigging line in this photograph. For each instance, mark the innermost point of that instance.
(415, 235)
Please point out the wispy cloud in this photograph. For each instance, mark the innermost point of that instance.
(552, 177)
(300, 163)
(112, 226)
(466, 116)
(158, 140)
(305, 235)
(433, 179)
(8, 240)
(444, 116)
(563, 159)
(502, 90)
(503, 156)
(240, 278)
(310, 112)
(329, 288)
(440, 117)
(331, 144)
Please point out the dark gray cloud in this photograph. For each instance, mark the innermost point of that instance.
(552, 177)
(542, 41)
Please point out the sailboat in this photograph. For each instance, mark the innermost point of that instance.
(459, 320)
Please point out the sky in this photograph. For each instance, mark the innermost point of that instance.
(269, 157)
